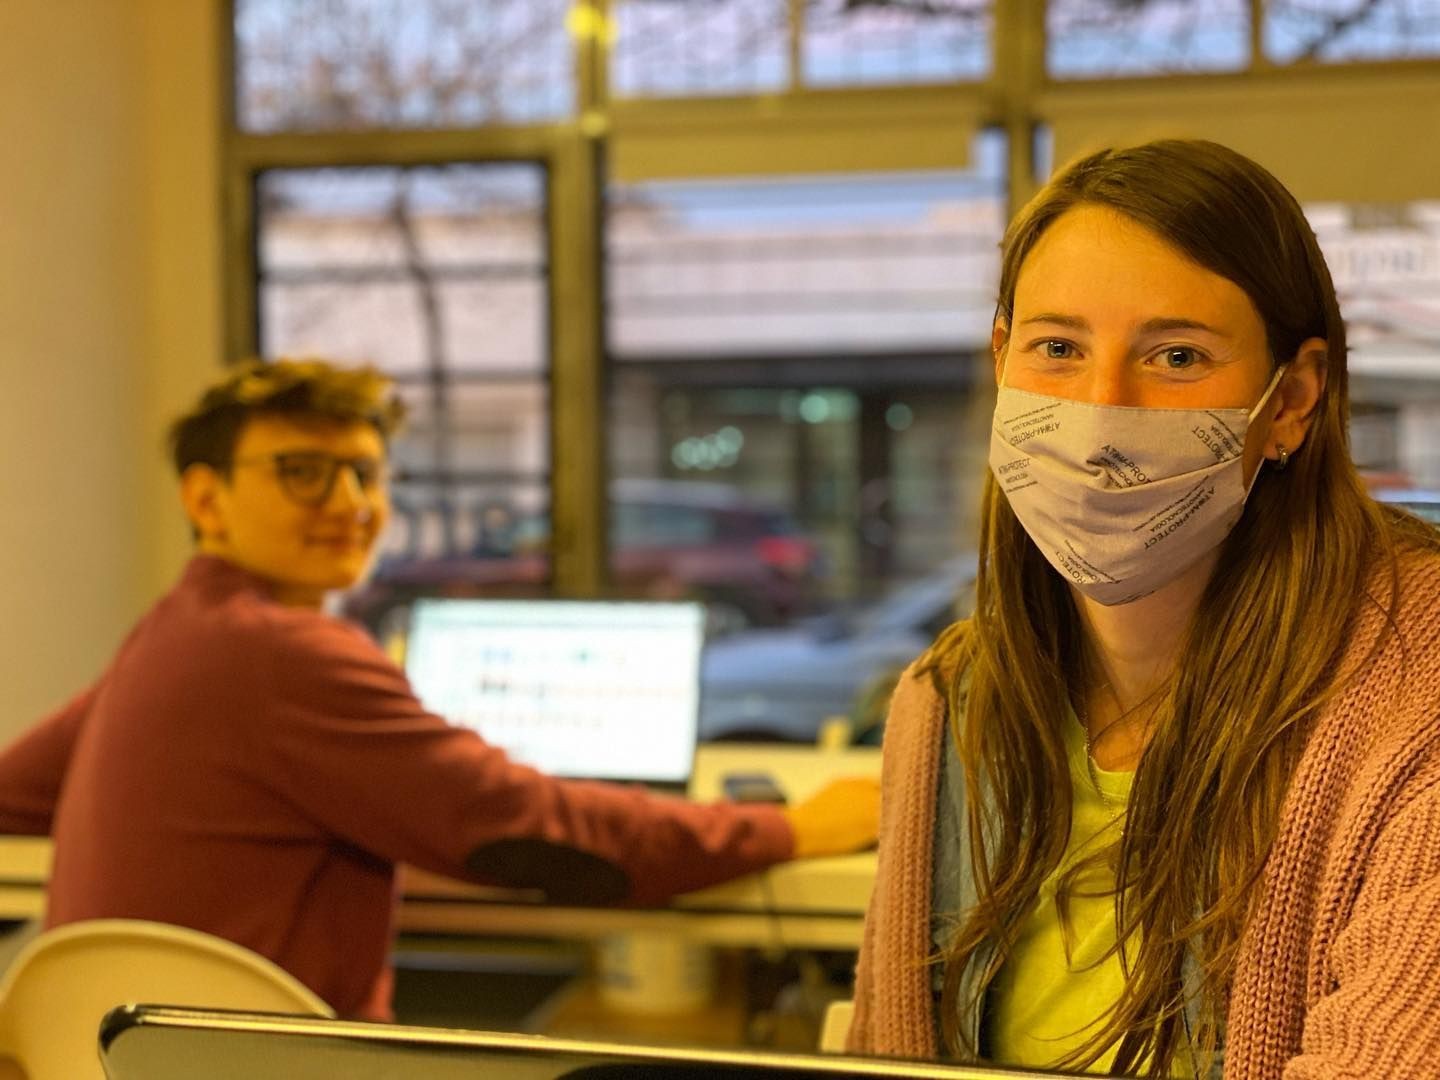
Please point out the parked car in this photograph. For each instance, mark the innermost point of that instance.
(746, 558)
(784, 684)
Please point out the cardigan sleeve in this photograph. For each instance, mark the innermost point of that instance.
(1376, 1010)
(32, 768)
(861, 1039)
(893, 1013)
(358, 754)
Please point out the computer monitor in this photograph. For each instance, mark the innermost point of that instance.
(596, 690)
(150, 1042)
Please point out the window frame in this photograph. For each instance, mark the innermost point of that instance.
(579, 153)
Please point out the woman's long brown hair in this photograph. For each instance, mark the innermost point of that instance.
(1258, 660)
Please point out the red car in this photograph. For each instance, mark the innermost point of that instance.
(746, 559)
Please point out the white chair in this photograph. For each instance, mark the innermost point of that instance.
(835, 1028)
(64, 982)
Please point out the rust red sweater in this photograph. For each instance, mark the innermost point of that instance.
(256, 772)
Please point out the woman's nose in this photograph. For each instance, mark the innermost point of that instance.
(1111, 382)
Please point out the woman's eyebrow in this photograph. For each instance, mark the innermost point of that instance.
(1158, 325)
(1161, 325)
(1074, 322)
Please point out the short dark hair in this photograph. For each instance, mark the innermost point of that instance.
(296, 389)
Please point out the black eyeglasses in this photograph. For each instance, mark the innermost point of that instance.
(308, 476)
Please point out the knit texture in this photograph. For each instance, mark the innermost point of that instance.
(1338, 974)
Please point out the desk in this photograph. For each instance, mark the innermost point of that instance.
(814, 903)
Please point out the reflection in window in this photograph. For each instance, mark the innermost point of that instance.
(305, 65)
(1107, 39)
(802, 265)
(904, 41)
(418, 268)
(1329, 30)
(801, 361)
(808, 350)
(438, 276)
(1386, 263)
(672, 48)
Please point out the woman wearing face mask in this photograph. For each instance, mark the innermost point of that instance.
(1169, 803)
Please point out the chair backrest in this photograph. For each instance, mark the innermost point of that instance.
(56, 992)
(835, 1028)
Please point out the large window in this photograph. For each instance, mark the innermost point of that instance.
(328, 65)
(1108, 39)
(693, 297)
(438, 275)
(1386, 263)
(727, 47)
(1338, 30)
(797, 416)
(1102, 38)
(847, 44)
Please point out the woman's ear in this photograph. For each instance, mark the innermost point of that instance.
(1297, 397)
(999, 339)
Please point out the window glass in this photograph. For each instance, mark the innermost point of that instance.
(1385, 260)
(665, 49)
(1331, 30)
(1090, 39)
(805, 360)
(438, 276)
(306, 65)
(414, 267)
(849, 44)
(853, 263)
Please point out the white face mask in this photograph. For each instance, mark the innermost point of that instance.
(1121, 500)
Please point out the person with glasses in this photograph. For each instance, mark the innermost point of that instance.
(252, 767)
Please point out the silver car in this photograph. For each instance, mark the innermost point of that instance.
(784, 684)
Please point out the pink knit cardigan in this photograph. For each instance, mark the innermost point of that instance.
(1339, 971)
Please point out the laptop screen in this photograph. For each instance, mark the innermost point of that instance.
(157, 1042)
(601, 690)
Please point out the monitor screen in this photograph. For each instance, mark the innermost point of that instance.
(577, 688)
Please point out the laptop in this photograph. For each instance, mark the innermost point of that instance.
(154, 1042)
(584, 689)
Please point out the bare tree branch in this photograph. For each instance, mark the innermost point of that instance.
(1337, 25)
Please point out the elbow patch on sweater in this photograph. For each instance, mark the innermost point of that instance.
(566, 875)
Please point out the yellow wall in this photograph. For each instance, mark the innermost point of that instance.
(181, 252)
(108, 317)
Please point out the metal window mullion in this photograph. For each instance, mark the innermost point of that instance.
(592, 58)
(391, 147)
(578, 464)
(1017, 76)
(577, 400)
(380, 272)
(796, 42)
(1259, 58)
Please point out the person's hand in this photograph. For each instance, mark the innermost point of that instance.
(842, 816)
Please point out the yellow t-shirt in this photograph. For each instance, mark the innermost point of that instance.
(1049, 999)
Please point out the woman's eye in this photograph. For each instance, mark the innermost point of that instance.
(1179, 358)
(1057, 350)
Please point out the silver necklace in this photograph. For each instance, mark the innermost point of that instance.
(1090, 767)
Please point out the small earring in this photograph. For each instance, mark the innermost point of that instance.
(1283, 459)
